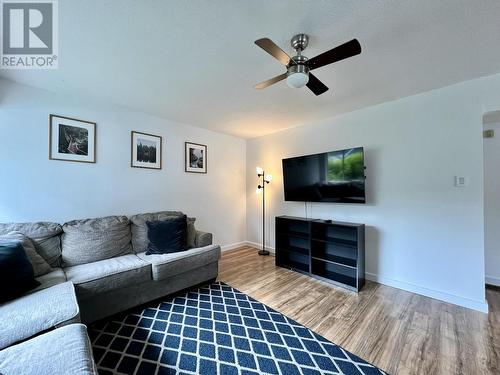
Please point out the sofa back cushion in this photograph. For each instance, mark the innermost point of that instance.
(45, 236)
(91, 240)
(139, 228)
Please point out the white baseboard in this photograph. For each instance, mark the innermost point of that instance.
(233, 246)
(481, 306)
(492, 280)
(246, 243)
(259, 246)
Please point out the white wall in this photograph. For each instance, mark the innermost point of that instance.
(35, 188)
(423, 234)
(492, 205)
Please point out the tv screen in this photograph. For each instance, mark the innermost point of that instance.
(336, 176)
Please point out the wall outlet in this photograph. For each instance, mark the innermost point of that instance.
(460, 181)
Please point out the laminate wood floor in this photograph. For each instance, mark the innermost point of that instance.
(398, 331)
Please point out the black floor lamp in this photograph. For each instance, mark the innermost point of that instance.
(262, 188)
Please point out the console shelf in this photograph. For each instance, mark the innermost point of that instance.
(330, 251)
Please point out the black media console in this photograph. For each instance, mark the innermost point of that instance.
(328, 250)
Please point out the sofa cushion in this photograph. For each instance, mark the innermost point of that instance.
(45, 236)
(108, 274)
(55, 277)
(63, 351)
(40, 266)
(167, 265)
(16, 271)
(167, 236)
(139, 228)
(37, 312)
(91, 240)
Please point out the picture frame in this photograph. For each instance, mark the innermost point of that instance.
(195, 158)
(145, 150)
(72, 139)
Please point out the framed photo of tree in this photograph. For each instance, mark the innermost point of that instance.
(146, 150)
(71, 139)
(195, 158)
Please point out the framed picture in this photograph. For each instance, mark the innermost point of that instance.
(146, 150)
(195, 158)
(71, 139)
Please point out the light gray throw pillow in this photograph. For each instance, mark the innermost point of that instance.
(91, 240)
(45, 236)
(40, 266)
(191, 232)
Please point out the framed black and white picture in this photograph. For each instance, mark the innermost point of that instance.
(71, 139)
(195, 158)
(146, 150)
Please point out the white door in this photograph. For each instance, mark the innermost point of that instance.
(492, 205)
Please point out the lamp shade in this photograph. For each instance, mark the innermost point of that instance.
(259, 170)
(268, 178)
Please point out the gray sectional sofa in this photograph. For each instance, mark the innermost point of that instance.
(99, 267)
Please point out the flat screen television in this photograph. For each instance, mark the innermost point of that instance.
(336, 176)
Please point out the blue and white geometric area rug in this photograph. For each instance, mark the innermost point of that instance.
(216, 330)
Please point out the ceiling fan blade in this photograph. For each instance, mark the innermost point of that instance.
(271, 48)
(316, 86)
(270, 82)
(344, 51)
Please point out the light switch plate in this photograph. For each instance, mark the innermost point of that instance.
(460, 181)
(490, 133)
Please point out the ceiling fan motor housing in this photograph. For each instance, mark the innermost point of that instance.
(298, 65)
(297, 70)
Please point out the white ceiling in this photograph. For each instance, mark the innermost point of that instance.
(195, 61)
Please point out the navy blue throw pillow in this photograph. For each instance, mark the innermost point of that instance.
(16, 272)
(167, 236)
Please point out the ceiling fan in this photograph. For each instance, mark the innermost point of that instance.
(298, 67)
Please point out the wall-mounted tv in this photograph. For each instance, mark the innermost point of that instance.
(336, 176)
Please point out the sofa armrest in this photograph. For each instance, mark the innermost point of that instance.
(203, 239)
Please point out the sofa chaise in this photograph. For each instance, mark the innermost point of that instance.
(99, 267)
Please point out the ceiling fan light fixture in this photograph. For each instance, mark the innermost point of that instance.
(298, 76)
(297, 80)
